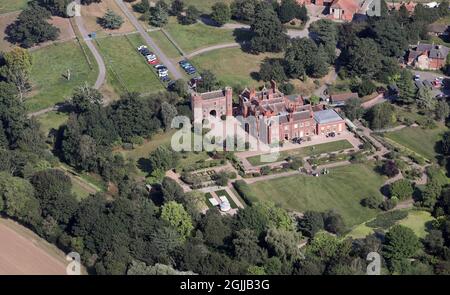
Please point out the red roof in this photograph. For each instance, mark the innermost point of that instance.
(346, 5)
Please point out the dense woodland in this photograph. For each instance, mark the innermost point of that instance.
(134, 232)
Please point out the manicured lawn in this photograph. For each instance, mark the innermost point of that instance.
(199, 35)
(306, 151)
(204, 5)
(145, 149)
(12, 5)
(417, 221)
(50, 65)
(232, 66)
(190, 158)
(161, 40)
(421, 141)
(341, 190)
(208, 203)
(127, 69)
(51, 120)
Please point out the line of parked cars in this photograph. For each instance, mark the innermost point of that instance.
(187, 67)
(163, 72)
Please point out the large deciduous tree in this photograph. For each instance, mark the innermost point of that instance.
(17, 69)
(221, 13)
(178, 218)
(32, 27)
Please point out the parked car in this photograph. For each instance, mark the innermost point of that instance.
(159, 66)
(416, 77)
(163, 72)
(153, 62)
(165, 78)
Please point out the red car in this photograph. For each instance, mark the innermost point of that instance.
(154, 62)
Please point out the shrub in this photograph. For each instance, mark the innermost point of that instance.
(388, 219)
(245, 192)
(402, 189)
(371, 202)
(388, 204)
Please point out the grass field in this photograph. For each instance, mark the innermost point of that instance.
(145, 149)
(307, 151)
(161, 40)
(199, 35)
(204, 5)
(232, 66)
(421, 141)
(51, 120)
(50, 65)
(12, 5)
(416, 220)
(341, 190)
(79, 191)
(127, 69)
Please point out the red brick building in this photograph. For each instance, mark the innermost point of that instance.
(344, 9)
(295, 119)
(428, 56)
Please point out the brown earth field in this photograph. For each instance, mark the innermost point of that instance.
(91, 14)
(63, 24)
(22, 252)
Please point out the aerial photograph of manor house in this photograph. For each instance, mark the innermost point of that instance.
(341, 165)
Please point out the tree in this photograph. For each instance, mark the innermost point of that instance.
(191, 16)
(372, 201)
(381, 116)
(353, 109)
(159, 14)
(402, 189)
(111, 20)
(283, 243)
(171, 190)
(303, 57)
(268, 34)
(366, 87)
(140, 268)
(244, 10)
(221, 13)
(406, 87)
(208, 83)
(180, 87)
(324, 245)
(425, 99)
(31, 27)
(54, 193)
(333, 222)
(442, 110)
(168, 112)
(85, 98)
(246, 247)
(177, 7)
(400, 243)
(17, 199)
(272, 69)
(17, 69)
(390, 36)
(363, 58)
(326, 34)
(390, 169)
(287, 10)
(445, 143)
(163, 158)
(215, 228)
(89, 2)
(311, 223)
(178, 218)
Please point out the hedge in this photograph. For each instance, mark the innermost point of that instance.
(245, 192)
(388, 219)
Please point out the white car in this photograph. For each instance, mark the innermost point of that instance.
(163, 73)
(150, 57)
(141, 47)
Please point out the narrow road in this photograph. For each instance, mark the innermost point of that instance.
(98, 57)
(173, 69)
(211, 48)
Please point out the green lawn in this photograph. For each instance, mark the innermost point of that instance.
(232, 66)
(79, 191)
(307, 151)
(199, 35)
(50, 65)
(12, 5)
(204, 5)
(51, 120)
(127, 69)
(341, 190)
(417, 221)
(161, 40)
(421, 141)
(145, 149)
